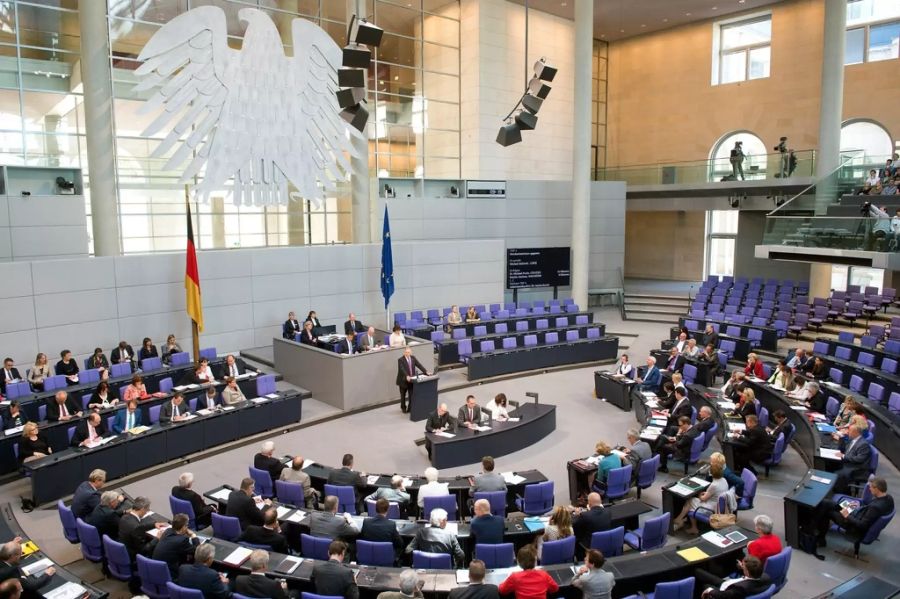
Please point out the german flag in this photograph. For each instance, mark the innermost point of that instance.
(192, 275)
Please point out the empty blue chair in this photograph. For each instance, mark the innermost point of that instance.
(856, 383)
(593, 333)
(346, 497)
(679, 589)
(889, 365)
(745, 501)
(485, 316)
(609, 542)
(777, 566)
(509, 343)
(371, 553)
(530, 340)
(728, 348)
(151, 364)
(558, 552)
(487, 346)
(445, 502)
(464, 349)
(866, 359)
(434, 316)
(16, 390)
(423, 560)
(690, 374)
(651, 535)
(265, 384)
(91, 545)
(842, 353)
(180, 358)
(561, 322)
(226, 527)
(165, 385)
(393, 507)
(497, 499)
(418, 315)
(501, 327)
(646, 474)
(521, 326)
(618, 483)
(179, 592)
(117, 559)
(290, 493)
(500, 555)
(208, 352)
(509, 306)
(581, 319)
(495, 308)
(154, 414)
(521, 312)
(180, 506)
(710, 433)
(57, 381)
(537, 499)
(314, 547)
(777, 451)
(480, 330)
(437, 336)
(551, 337)
(541, 323)
(121, 369)
(459, 333)
(763, 416)
(70, 528)
(836, 375)
(263, 482)
(876, 393)
(154, 576)
(87, 376)
(832, 407)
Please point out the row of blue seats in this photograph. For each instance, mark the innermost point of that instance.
(501, 327)
(465, 345)
(437, 317)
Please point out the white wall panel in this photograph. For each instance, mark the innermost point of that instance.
(55, 210)
(275, 261)
(284, 286)
(17, 314)
(150, 299)
(80, 338)
(55, 309)
(41, 242)
(149, 269)
(74, 275)
(16, 277)
(21, 346)
(223, 292)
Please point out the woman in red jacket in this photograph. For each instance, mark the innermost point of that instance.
(754, 366)
(529, 583)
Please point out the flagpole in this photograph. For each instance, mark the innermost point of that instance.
(195, 330)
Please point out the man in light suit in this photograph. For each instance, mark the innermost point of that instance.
(348, 345)
(353, 326)
(651, 378)
(127, 419)
(368, 341)
(329, 524)
(469, 415)
(854, 460)
(406, 372)
(396, 493)
(174, 411)
(488, 480)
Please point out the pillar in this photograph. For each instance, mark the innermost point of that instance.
(359, 164)
(96, 75)
(831, 103)
(581, 151)
(819, 280)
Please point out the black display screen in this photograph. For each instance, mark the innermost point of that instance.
(537, 267)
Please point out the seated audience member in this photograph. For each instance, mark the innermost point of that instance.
(472, 315)
(295, 474)
(10, 556)
(675, 362)
(206, 373)
(317, 326)
(184, 491)
(855, 459)
(855, 518)
(11, 588)
(62, 408)
(469, 415)
(709, 356)
(750, 445)
(10, 374)
(291, 327)
(176, 544)
(201, 576)
(257, 584)
(733, 387)
(368, 340)
(754, 366)
(476, 589)
(559, 526)
(484, 526)
(33, 444)
(435, 539)
(122, 354)
(87, 495)
(232, 393)
(593, 581)
(497, 408)
(432, 488)
(681, 341)
(858, 418)
(752, 582)
(174, 410)
(678, 445)
(666, 395)
(210, 400)
(103, 397)
(14, 417)
(798, 360)
(268, 534)
(347, 345)
(351, 325)
(105, 518)
(710, 336)
(588, 521)
(488, 480)
(766, 544)
(608, 460)
(39, 372)
(817, 400)
(681, 408)
(707, 500)
(705, 420)
(781, 376)
(148, 350)
(127, 419)
(307, 335)
(454, 317)
(231, 368)
(817, 368)
(380, 529)
(329, 524)
(346, 476)
(134, 526)
(690, 349)
(396, 493)
(68, 367)
(193, 376)
(265, 460)
(396, 338)
(88, 431)
(98, 359)
(651, 379)
(782, 426)
(846, 412)
(242, 504)
(735, 482)
(678, 382)
(171, 347)
(638, 450)
(331, 577)
(872, 180)
(890, 187)
(624, 368)
(529, 583)
(437, 421)
(747, 404)
(136, 390)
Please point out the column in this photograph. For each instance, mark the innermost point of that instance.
(831, 104)
(581, 151)
(96, 75)
(819, 280)
(359, 165)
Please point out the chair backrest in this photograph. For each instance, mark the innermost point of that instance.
(165, 385)
(876, 392)
(487, 346)
(70, 529)
(423, 560)
(609, 542)
(88, 375)
(696, 448)
(121, 369)
(836, 375)
(20, 389)
(561, 551)
(541, 323)
(538, 498)
(180, 506)
(179, 592)
(446, 502)
(117, 559)
(894, 402)
(500, 555)
(435, 336)
(655, 532)
(876, 528)
(459, 332)
(509, 343)
(647, 473)
(750, 483)
(371, 553)
(226, 527)
(265, 384)
(181, 358)
(91, 545)
(763, 416)
(154, 575)
(678, 589)
(856, 383)
(690, 373)
(710, 433)
(776, 567)
(464, 348)
(152, 363)
(480, 330)
(346, 497)
(529, 340)
(497, 499)
(618, 482)
(777, 451)
(290, 493)
(551, 337)
(889, 365)
(393, 508)
(581, 319)
(154, 413)
(571, 335)
(57, 381)
(866, 359)
(521, 325)
(314, 547)
(561, 321)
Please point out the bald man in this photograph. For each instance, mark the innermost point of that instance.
(437, 422)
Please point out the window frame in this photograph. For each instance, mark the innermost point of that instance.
(714, 235)
(719, 29)
(866, 28)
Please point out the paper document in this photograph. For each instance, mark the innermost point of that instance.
(297, 516)
(513, 419)
(619, 453)
(37, 567)
(648, 394)
(444, 434)
(832, 384)
(825, 428)
(462, 577)
(481, 429)
(227, 408)
(737, 427)
(372, 479)
(238, 556)
(137, 430)
(205, 412)
(13, 431)
(282, 511)
(682, 489)
(407, 482)
(221, 494)
(755, 379)
(452, 528)
(700, 481)
(693, 554)
(259, 400)
(273, 396)
(820, 479)
(727, 405)
(157, 532)
(306, 464)
(512, 478)
(29, 547)
(830, 454)
(651, 403)
(800, 408)
(593, 460)
(69, 590)
(716, 539)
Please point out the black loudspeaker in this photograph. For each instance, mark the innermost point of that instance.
(366, 33)
(538, 88)
(544, 71)
(509, 135)
(356, 57)
(531, 103)
(525, 120)
(350, 96)
(357, 115)
(352, 77)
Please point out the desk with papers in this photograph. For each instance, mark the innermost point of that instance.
(613, 389)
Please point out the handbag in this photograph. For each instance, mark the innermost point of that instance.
(720, 520)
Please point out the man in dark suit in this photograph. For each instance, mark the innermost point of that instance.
(332, 577)
(184, 491)
(87, 495)
(62, 407)
(595, 518)
(675, 362)
(679, 445)
(201, 576)
(192, 376)
(348, 344)
(438, 421)
(127, 419)
(406, 372)
(264, 460)
(855, 519)
(352, 325)
(710, 336)
(88, 431)
(176, 545)
(291, 327)
(752, 445)
(347, 477)
(10, 374)
(753, 582)
(105, 518)
(681, 408)
(782, 426)
(257, 584)
(486, 527)
(241, 505)
(231, 367)
(469, 415)
(133, 528)
(10, 556)
(121, 354)
(267, 534)
(705, 421)
(174, 411)
(380, 529)
(476, 589)
(855, 459)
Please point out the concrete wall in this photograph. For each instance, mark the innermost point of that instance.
(751, 226)
(665, 245)
(83, 303)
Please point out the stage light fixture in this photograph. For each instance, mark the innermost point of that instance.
(538, 88)
(526, 121)
(350, 96)
(531, 103)
(363, 32)
(351, 77)
(544, 70)
(509, 134)
(357, 56)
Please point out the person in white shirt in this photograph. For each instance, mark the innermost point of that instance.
(497, 407)
(432, 488)
(624, 368)
(798, 360)
(397, 339)
(682, 342)
(872, 180)
(690, 349)
(206, 372)
(808, 390)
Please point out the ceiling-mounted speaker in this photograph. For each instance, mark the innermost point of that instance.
(350, 96)
(538, 88)
(526, 120)
(356, 56)
(544, 71)
(531, 103)
(366, 33)
(509, 135)
(351, 77)
(357, 115)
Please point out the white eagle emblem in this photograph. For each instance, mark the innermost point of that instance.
(255, 114)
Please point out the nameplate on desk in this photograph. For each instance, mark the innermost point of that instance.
(13, 431)
(221, 494)
(272, 395)
(288, 565)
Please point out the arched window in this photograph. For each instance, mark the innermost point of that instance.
(868, 138)
(754, 156)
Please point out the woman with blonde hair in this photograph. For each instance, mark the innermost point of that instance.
(708, 499)
(33, 445)
(558, 527)
(39, 372)
(608, 460)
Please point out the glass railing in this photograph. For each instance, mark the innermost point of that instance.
(845, 233)
(756, 168)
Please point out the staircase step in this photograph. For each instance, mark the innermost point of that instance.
(637, 303)
(656, 296)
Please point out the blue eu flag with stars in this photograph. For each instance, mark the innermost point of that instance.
(387, 262)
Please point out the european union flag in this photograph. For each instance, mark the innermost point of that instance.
(387, 262)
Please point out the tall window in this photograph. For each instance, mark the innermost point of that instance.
(721, 233)
(873, 31)
(754, 164)
(743, 49)
(869, 138)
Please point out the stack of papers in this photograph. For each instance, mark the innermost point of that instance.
(652, 403)
(648, 394)
(13, 431)
(444, 434)
(297, 517)
(830, 454)
(737, 427)
(157, 532)
(481, 429)
(593, 460)
(651, 433)
(260, 399)
(69, 590)
(727, 405)
(513, 419)
(372, 479)
(221, 494)
(137, 430)
(462, 577)
(512, 478)
(716, 539)
(282, 511)
(273, 396)
(37, 567)
(238, 556)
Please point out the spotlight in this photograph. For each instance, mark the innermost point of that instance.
(363, 32)
(351, 77)
(509, 134)
(356, 115)
(543, 70)
(538, 88)
(526, 120)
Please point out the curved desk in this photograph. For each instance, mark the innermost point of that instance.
(469, 446)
